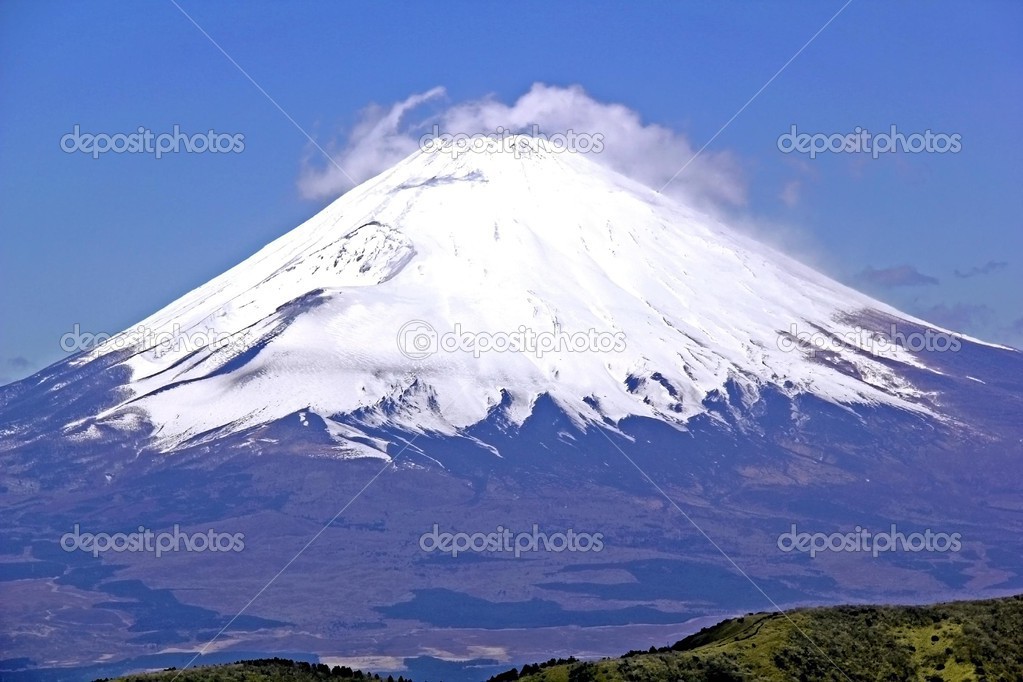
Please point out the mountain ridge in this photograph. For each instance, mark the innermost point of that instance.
(290, 327)
(744, 402)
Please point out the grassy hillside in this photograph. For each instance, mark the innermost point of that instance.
(980, 640)
(977, 640)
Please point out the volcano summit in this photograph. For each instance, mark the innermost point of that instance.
(522, 340)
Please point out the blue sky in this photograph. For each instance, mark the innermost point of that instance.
(104, 242)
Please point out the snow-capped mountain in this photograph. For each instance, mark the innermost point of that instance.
(532, 343)
(666, 306)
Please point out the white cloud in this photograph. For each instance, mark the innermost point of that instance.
(648, 153)
(379, 140)
(790, 193)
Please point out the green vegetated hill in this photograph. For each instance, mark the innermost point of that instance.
(975, 640)
(260, 670)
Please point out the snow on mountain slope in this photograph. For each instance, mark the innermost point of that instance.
(493, 242)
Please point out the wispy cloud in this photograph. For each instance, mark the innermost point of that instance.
(646, 152)
(17, 366)
(959, 316)
(896, 276)
(790, 193)
(382, 137)
(986, 269)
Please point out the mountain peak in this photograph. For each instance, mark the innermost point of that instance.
(460, 283)
(505, 146)
(497, 157)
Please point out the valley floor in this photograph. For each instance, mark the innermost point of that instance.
(958, 641)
